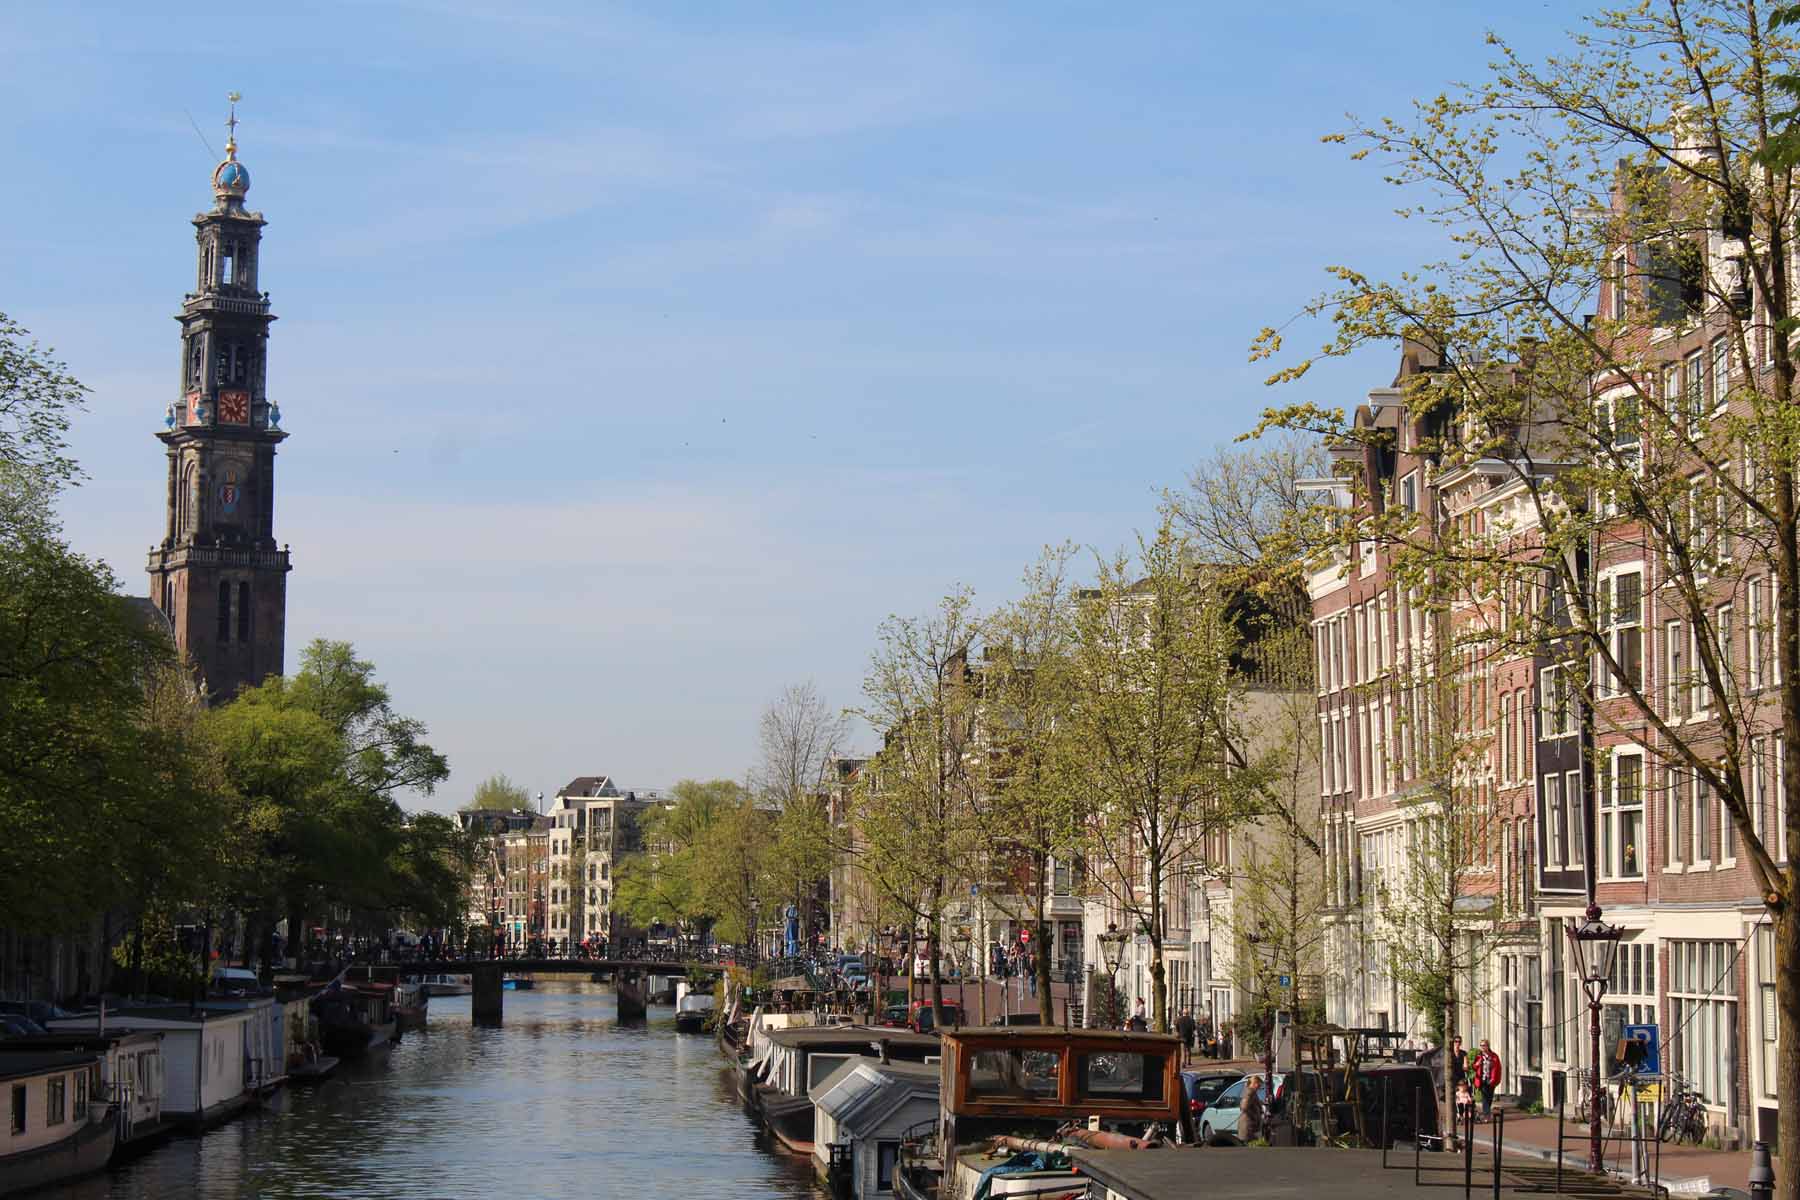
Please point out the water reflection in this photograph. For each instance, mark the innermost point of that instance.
(561, 1101)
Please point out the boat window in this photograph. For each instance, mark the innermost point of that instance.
(1016, 1073)
(885, 1155)
(1120, 1076)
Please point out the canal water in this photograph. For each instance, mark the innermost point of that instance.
(560, 1101)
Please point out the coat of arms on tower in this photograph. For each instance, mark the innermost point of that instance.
(228, 493)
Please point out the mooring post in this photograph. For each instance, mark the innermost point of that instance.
(486, 998)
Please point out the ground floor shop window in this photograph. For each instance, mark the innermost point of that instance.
(1703, 1011)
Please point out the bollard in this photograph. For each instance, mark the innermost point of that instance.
(1762, 1175)
(1469, 1154)
(1384, 1120)
(1559, 1140)
(1418, 1137)
(1499, 1137)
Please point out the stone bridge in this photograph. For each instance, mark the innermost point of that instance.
(486, 975)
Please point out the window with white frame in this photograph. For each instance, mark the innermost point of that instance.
(1694, 380)
(1703, 1003)
(1674, 681)
(1557, 711)
(1623, 614)
(1700, 820)
(1768, 1016)
(1699, 692)
(1574, 819)
(1619, 274)
(1720, 376)
(1675, 790)
(1630, 989)
(1622, 817)
(1726, 632)
(1556, 828)
(1755, 644)
(1505, 738)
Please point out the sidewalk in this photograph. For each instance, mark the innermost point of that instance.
(1685, 1170)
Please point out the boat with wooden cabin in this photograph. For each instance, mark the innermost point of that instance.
(354, 1020)
(61, 1127)
(1025, 1089)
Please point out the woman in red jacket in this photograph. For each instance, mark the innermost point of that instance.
(1485, 1072)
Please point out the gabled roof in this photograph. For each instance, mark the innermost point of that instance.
(862, 1094)
(588, 786)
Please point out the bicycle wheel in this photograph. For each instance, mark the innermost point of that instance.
(1694, 1127)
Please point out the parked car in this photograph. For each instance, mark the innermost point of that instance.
(921, 1018)
(1203, 1087)
(38, 1011)
(13, 1025)
(894, 1016)
(1218, 1121)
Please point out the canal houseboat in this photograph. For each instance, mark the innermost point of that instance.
(862, 1111)
(355, 1021)
(408, 998)
(1033, 1089)
(692, 1008)
(217, 1056)
(60, 1127)
(131, 1077)
(798, 1060)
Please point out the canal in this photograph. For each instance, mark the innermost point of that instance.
(561, 1101)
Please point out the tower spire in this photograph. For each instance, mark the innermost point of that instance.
(231, 124)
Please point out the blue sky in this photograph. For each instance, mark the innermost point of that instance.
(639, 361)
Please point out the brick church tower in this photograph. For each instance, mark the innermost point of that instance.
(217, 574)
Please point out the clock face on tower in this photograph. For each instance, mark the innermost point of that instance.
(234, 407)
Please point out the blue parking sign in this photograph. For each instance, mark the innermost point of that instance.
(1651, 1064)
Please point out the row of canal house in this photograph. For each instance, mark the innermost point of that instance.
(1399, 686)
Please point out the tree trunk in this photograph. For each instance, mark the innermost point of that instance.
(1787, 1067)
(1041, 968)
(937, 974)
(137, 956)
(1159, 988)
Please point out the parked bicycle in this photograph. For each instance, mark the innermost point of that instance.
(1683, 1116)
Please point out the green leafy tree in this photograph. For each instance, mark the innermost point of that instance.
(1611, 208)
(1154, 695)
(915, 803)
(1033, 805)
(319, 759)
(497, 793)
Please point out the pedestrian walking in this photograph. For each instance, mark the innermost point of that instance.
(1184, 1025)
(1250, 1111)
(1486, 1073)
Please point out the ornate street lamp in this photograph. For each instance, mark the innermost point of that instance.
(1595, 944)
(1112, 949)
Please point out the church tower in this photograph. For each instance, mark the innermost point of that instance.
(217, 574)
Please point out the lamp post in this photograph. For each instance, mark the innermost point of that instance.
(1595, 944)
(1112, 948)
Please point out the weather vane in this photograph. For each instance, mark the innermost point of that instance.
(232, 122)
